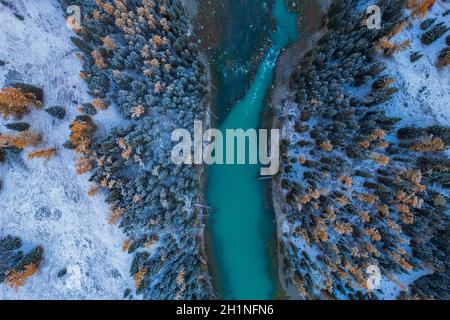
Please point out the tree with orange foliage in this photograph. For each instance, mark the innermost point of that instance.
(158, 87)
(326, 146)
(82, 131)
(347, 181)
(398, 47)
(384, 44)
(107, 7)
(319, 233)
(126, 245)
(21, 140)
(419, 8)
(180, 277)
(137, 111)
(164, 24)
(364, 144)
(429, 145)
(44, 153)
(343, 227)
(367, 198)
(17, 278)
(83, 165)
(14, 102)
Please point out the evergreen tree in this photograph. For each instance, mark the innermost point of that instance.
(18, 126)
(57, 112)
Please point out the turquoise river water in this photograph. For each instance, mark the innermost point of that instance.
(241, 226)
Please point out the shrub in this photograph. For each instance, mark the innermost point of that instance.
(15, 102)
(88, 109)
(17, 278)
(45, 153)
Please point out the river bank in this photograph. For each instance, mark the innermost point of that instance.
(234, 35)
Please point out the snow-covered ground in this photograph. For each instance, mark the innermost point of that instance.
(424, 95)
(47, 203)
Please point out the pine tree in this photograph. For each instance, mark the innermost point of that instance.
(93, 190)
(115, 214)
(17, 278)
(444, 58)
(109, 43)
(434, 33)
(82, 130)
(18, 126)
(415, 56)
(56, 112)
(99, 60)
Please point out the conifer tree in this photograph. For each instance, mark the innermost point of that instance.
(21, 140)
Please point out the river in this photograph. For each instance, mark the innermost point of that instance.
(241, 226)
